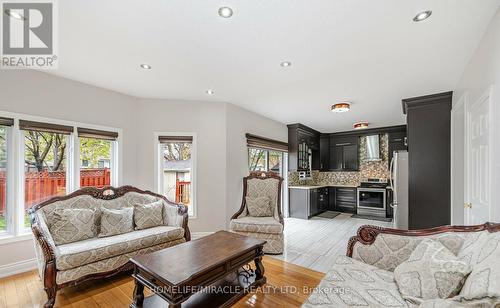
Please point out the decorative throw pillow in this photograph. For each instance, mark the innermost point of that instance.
(432, 271)
(72, 225)
(259, 207)
(484, 280)
(148, 215)
(116, 221)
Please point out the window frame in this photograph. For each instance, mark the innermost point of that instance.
(158, 162)
(9, 189)
(284, 175)
(16, 231)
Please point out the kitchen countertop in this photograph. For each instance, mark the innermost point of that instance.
(353, 185)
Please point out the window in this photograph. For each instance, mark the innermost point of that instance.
(257, 159)
(96, 149)
(45, 152)
(176, 170)
(269, 155)
(41, 161)
(4, 142)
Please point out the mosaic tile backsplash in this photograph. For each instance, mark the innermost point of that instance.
(367, 169)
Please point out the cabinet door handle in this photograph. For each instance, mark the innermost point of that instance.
(341, 144)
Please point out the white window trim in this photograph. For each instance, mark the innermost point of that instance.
(15, 166)
(158, 184)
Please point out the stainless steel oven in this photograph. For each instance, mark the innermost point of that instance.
(372, 201)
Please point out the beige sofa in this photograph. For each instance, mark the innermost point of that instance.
(99, 257)
(366, 277)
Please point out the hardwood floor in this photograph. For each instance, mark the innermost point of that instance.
(285, 288)
(313, 243)
(310, 245)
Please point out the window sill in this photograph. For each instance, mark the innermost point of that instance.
(8, 239)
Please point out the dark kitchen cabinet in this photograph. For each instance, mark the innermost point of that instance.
(324, 153)
(332, 199)
(344, 153)
(313, 202)
(323, 199)
(345, 199)
(303, 144)
(305, 203)
(397, 142)
(429, 131)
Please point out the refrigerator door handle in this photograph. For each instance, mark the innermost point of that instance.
(391, 174)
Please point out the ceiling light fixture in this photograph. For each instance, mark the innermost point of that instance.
(225, 12)
(14, 14)
(286, 64)
(361, 125)
(341, 107)
(422, 16)
(146, 66)
(210, 92)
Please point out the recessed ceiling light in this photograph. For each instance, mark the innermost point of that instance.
(14, 14)
(361, 125)
(341, 107)
(225, 12)
(210, 92)
(422, 16)
(146, 66)
(286, 64)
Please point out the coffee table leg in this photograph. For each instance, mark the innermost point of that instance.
(138, 295)
(259, 271)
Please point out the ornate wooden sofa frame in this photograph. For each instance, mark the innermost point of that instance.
(107, 193)
(367, 234)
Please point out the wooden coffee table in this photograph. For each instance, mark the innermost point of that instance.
(212, 271)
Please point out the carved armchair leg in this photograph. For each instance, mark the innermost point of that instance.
(51, 297)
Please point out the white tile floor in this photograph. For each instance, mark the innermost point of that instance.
(313, 243)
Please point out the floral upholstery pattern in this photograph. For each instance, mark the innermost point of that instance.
(274, 242)
(263, 188)
(259, 207)
(256, 224)
(351, 283)
(114, 222)
(148, 215)
(262, 227)
(431, 271)
(77, 259)
(388, 250)
(71, 225)
(484, 256)
(95, 249)
(108, 264)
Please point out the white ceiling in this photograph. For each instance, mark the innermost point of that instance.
(365, 51)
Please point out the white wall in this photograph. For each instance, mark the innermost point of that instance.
(220, 129)
(482, 72)
(239, 122)
(40, 94)
(207, 120)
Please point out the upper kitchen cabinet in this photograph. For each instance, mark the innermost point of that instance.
(324, 152)
(397, 142)
(303, 148)
(344, 153)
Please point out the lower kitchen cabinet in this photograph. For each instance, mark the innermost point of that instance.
(345, 199)
(305, 203)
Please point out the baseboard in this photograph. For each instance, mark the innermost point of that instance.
(17, 267)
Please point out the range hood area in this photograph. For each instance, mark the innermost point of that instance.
(372, 148)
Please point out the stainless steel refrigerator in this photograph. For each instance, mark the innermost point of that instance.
(399, 186)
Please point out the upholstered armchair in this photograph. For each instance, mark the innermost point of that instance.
(260, 213)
